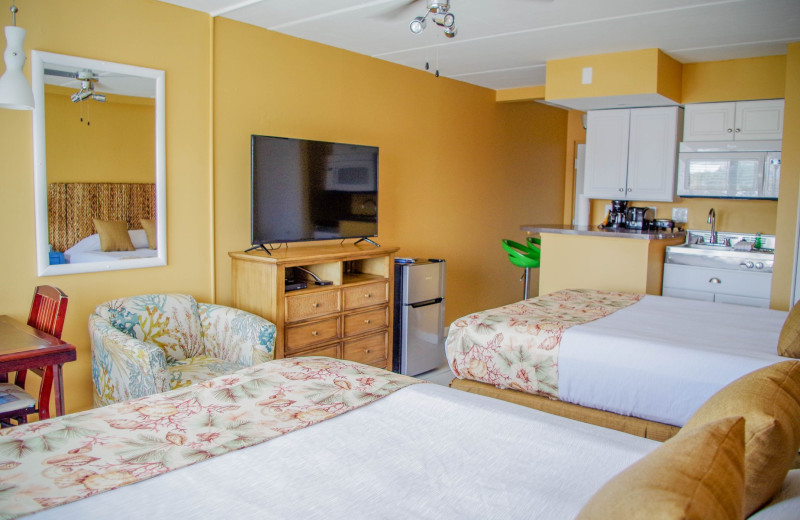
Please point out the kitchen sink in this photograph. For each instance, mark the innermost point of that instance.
(721, 255)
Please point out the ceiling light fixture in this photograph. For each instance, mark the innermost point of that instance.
(15, 91)
(446, 18)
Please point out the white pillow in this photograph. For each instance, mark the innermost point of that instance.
(138, 238)
(786, 504)
(90, 243)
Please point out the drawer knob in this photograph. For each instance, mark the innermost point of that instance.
(366, 350)
(315, 305)
(314, 333)
(715, 280)
(368, 295)
(367, 321)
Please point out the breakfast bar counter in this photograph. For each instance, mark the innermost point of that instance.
(611, 259)
(598, 231)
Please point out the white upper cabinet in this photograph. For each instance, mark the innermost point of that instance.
(631, 153)
(739, 121)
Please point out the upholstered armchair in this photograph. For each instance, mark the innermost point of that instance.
(157, 342)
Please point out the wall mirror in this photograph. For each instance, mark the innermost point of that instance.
(99, 165)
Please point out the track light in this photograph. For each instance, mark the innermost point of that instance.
(446, 20)
(418, 24)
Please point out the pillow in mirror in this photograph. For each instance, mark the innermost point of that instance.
(113, 235)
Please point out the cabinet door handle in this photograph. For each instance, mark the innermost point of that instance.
(314, 333)
(367, 321)
(730, 130)
(715, 280)
(738, 130)
(621, 189)
(629, 190)
(366, 351)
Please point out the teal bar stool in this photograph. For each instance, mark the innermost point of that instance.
(525, 256)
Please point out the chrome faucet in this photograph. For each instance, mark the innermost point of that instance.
(712, 219)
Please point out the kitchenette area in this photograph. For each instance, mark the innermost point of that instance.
(645, 164)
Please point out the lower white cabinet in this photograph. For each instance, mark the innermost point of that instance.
(717, 285)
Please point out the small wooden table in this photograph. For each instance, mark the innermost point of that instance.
(25, 348)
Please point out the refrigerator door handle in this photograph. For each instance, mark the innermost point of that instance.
(425, 303)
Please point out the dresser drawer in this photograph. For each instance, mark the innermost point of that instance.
(370, 350)
(365, 295)
(300, 336)
(332, 351)
(359, 322)
(305, 306)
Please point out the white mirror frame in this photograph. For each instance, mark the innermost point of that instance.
(38, 61)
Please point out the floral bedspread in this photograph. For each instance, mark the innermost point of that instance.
(48, 463)
(516, 346)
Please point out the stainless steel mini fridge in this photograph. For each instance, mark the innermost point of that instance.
(418, 315)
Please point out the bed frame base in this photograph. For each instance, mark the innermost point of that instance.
(633, 425)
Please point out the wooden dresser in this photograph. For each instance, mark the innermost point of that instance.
(349, 319)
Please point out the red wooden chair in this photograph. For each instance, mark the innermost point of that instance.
(48, 309)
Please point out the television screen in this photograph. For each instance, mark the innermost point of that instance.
(312, 190)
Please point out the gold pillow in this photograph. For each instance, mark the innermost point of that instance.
(113, 235)
(149, 226)
(769, 400)
(789, 340)
(699, 475)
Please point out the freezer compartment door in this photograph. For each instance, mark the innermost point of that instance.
(423, 344)
(422, 282)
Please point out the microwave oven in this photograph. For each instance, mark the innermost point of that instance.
(747, 170)
(352, 172)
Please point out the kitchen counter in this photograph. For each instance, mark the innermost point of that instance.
(588, 257)
(602, 232)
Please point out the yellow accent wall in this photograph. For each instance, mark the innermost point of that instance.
(787, 223)
(734, 80)
(99, 142)
(138, 32)
(646, 71)
(458, 171)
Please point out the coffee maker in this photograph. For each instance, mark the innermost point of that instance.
(617, 214)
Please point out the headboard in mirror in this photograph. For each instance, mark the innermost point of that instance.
(98, 146)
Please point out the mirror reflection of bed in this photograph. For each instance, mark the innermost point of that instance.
(101, 222)
(100, 198)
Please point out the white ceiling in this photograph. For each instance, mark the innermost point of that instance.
(505, 43)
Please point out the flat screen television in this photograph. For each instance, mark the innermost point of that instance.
(312, 190)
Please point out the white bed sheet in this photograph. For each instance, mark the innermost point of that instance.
(425, 451)
(109, 256)
(663, 357)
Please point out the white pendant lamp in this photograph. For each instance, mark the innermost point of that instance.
(15, 91)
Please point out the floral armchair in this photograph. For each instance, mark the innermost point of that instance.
(157, 342)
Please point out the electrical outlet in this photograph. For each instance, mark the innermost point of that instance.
(586, 76)
(680, 214)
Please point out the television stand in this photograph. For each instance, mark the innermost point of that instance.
(258, 246)
(365, 239)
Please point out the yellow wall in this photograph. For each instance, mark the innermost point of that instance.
(646, 71)
(137, 32)
(458, 171)
(99, 142)
(734, 80)
(787, 225)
